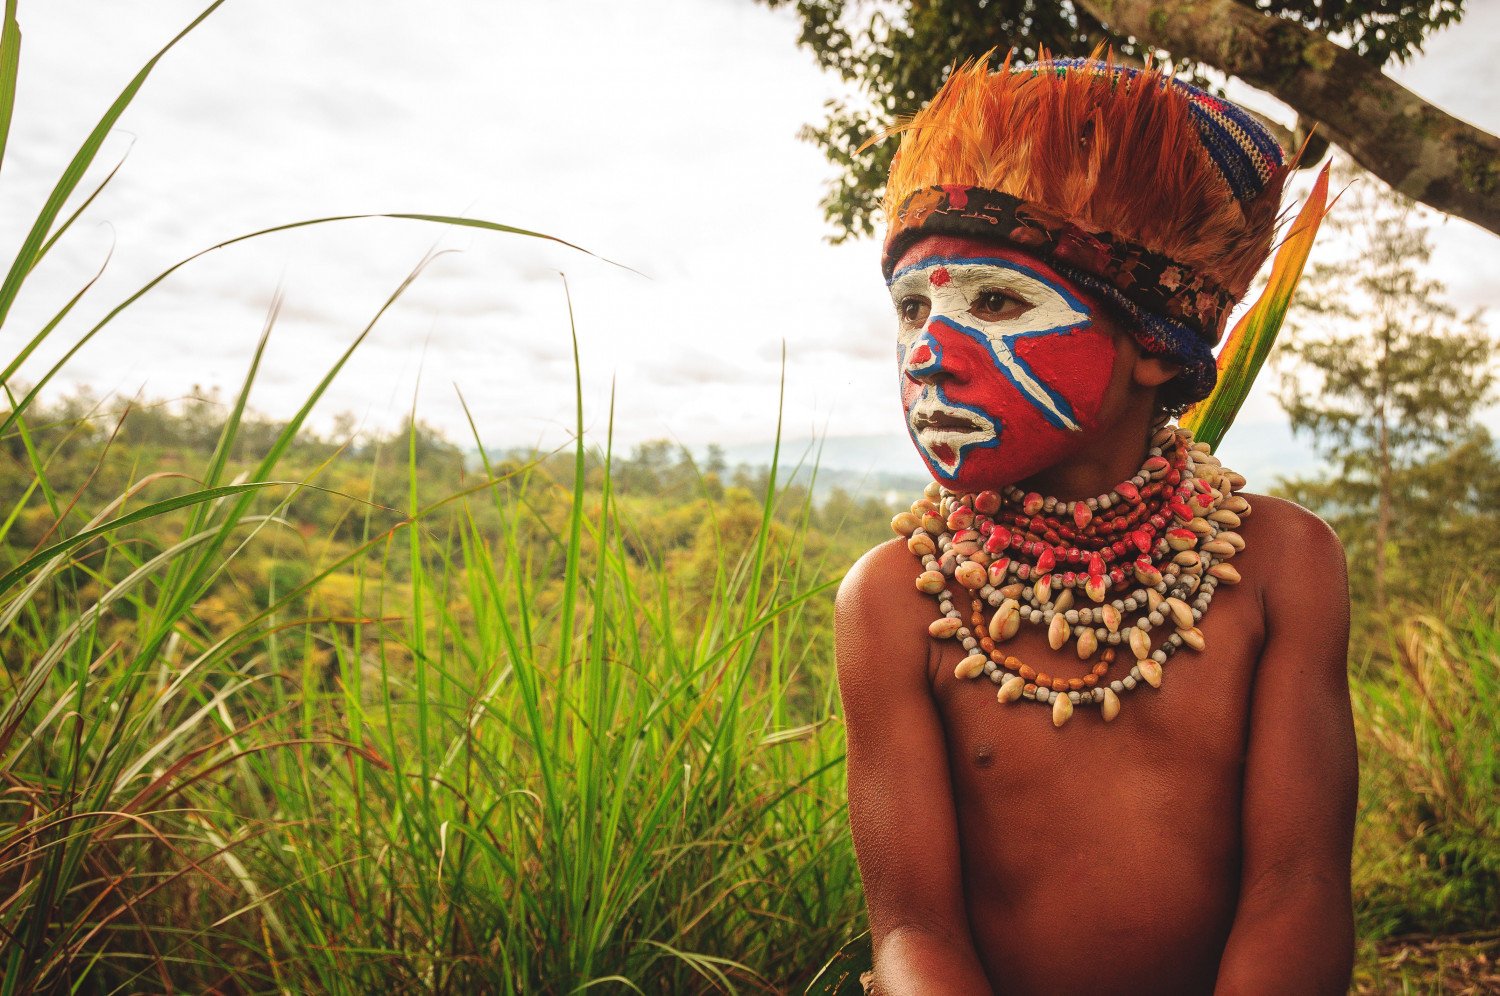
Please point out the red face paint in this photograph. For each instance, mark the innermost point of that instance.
(1003, 366)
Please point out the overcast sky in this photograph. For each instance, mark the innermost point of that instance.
(656, 133)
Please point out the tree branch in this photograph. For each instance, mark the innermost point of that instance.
(1417, 148)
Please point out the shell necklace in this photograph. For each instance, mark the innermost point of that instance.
(1103, 573)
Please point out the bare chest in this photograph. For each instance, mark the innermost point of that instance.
(1077, 832)
(1007, 758)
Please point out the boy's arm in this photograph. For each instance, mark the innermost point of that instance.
(901, 809)
(1294, 929)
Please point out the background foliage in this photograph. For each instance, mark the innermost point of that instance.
(1387, 382)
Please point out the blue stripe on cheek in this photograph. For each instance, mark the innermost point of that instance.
(1052, 406)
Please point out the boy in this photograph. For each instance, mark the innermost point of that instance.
(1065, 242)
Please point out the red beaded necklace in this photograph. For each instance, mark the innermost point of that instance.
(1150, 552)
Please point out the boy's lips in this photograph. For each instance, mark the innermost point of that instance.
(946, 421)
(943, 431)
(935, 416)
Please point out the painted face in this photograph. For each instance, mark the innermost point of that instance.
(1003, 365)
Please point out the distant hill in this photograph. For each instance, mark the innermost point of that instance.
(885, 466)
(878, 466)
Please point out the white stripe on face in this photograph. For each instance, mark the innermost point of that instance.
(1053, 308)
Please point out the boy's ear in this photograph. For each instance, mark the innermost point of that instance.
(1154, 371)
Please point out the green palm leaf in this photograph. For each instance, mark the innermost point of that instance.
(1250, 343)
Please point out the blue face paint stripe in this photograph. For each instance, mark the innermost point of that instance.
(1069, 419)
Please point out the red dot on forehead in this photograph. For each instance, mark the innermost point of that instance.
(939, 277)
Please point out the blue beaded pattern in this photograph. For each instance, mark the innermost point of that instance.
(1245, 152)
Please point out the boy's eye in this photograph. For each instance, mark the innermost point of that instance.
(994, 306)
(914, 310)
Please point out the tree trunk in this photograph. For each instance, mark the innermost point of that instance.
(1383, 470)
(1417, 148)
(1382, 512)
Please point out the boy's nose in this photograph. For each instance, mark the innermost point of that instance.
(924, 360)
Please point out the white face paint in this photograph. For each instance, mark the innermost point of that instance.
(1042, 304)
(963, 380)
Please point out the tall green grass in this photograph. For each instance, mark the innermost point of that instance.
(1428, 851)
(525, 766)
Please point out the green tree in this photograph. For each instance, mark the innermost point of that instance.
(895, 53)
(1386, 379)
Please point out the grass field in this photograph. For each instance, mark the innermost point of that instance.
(535, 762)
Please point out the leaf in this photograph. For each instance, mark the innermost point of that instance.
(450, 220)
(27, 255)
(10, 62)
(1247, 347)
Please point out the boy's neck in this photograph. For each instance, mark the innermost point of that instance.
(1109, 458)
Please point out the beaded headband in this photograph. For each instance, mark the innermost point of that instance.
(1151, 193)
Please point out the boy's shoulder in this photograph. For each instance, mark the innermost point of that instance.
(880, 589)
(1283, 541)
(876, 570)
(878, 610)
(1284, 512)
(1295, 563)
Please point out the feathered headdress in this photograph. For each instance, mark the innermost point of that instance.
(1156, 195)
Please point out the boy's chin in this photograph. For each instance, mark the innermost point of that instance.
(991, 470)
(975, 479)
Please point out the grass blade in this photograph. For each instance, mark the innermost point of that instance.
(146, 288)
(10, 64)
(26, 256)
